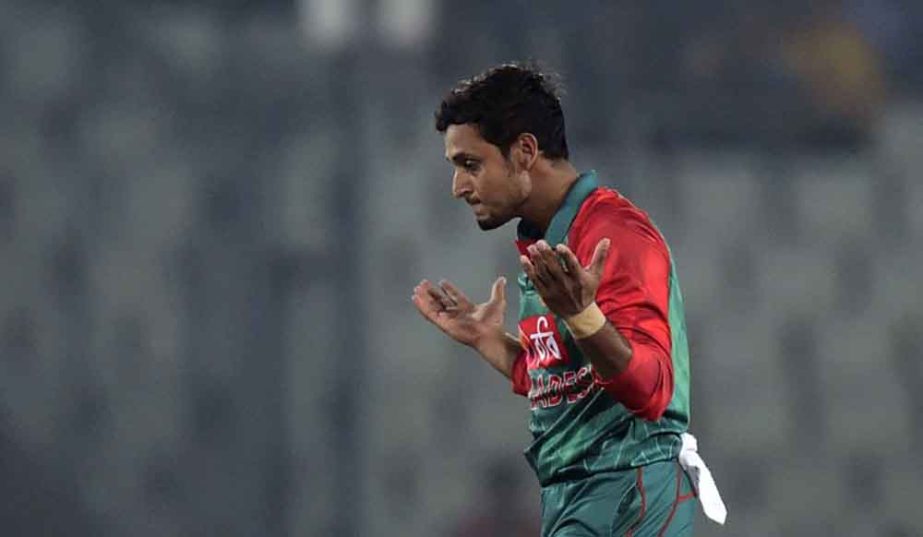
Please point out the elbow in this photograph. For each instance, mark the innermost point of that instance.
(652, 413)
(519, 376)
(650, 408)
(645, 389)
(656, 404)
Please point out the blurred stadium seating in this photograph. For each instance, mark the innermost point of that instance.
(180, 185)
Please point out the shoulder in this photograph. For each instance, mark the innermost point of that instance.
(607, 213)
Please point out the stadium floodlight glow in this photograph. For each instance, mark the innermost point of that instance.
(405, 23)
(330, 24)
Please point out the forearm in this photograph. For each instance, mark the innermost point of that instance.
(630, 367)
(607, 350)
(500, 349)
(599, 341)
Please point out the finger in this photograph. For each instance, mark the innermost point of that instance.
(532, 261)
(444, 301)
(498, 291)
(538, 264)
(551, 261)
(425, 298)
(528, 268)
(426, 305)
(454, 293)
(423, 306)
(571, 263)
(598, 261)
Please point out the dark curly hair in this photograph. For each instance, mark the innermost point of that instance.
(506, 101)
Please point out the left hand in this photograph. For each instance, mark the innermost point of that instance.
(565, 286)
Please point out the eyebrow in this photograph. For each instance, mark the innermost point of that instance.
(460, 158)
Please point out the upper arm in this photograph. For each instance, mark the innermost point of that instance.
(634, 291)
(634, 296)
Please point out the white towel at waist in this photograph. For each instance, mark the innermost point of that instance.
(702, 480)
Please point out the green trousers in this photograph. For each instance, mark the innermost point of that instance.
(654, 500)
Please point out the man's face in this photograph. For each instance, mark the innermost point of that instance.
(484, 178)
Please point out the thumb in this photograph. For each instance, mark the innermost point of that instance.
(498, 291)
(598, 262)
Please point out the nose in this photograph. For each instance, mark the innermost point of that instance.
(461, 186)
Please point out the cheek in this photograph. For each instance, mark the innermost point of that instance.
(520, 187)
(504, 189)
(506, 192)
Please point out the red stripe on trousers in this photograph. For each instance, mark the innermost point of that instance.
(643, 502)
(679, 476)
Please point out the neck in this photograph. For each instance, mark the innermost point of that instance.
(550, 184)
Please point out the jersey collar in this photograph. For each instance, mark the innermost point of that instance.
(560, 223)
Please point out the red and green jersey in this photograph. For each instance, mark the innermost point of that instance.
(581, 423)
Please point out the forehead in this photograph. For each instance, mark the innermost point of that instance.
(465, 139)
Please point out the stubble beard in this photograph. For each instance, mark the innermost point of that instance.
(493, 222)
(488, 225)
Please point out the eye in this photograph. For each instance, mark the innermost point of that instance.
(471, 166)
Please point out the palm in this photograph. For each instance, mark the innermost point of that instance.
(566, 287)
(449, 309)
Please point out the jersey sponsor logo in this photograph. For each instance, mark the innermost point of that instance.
(543, 343)
(551, 390)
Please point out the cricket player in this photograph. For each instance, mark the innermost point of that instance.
(601, 350)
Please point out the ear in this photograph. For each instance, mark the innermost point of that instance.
(527, 152)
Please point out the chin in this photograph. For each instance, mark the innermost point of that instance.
(490, 222)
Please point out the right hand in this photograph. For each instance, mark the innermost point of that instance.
(448, 308)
